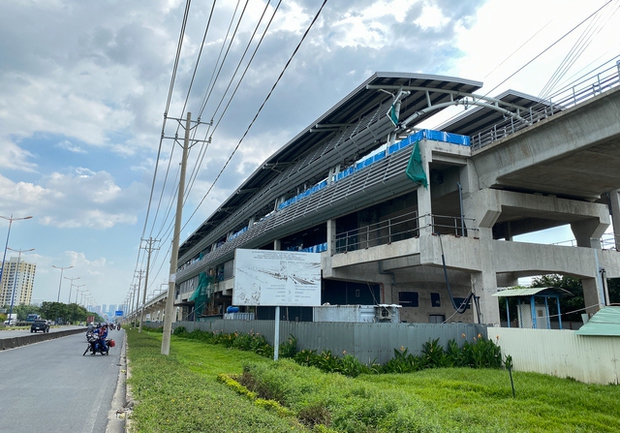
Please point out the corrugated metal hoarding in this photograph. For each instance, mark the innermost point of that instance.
(561, 353)
(366, 341)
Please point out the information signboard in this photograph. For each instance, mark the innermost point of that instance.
(277, 278)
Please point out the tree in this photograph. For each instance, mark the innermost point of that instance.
(54, 311)
(22, 311)
(571, 306)
(613, 286)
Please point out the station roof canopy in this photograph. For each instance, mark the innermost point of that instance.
(481, 118)
(424, 91)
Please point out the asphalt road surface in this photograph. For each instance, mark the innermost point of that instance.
(50, 387)
(8, 332)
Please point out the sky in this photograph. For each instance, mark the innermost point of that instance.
(91, 100)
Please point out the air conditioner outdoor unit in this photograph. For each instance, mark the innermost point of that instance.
(387, 313)
(383, 313)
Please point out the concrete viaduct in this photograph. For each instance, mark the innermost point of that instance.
(562, 170)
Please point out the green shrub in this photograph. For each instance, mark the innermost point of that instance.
(314, 415)
(288, 349)
(180, 331)
(402, 362)
(481, 353)
(433, 355)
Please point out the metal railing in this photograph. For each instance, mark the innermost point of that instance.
(592, 84)
(398, 228)
(608, 242)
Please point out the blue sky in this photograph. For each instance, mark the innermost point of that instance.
(84, 85)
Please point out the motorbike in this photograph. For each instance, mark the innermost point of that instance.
(94, 345)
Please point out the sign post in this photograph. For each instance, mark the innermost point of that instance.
(277, 278)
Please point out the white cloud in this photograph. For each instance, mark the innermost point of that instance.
(67, 145)
(85, 199)
(14, 157)
(431, 17)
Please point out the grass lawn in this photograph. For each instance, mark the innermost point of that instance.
(181, 393)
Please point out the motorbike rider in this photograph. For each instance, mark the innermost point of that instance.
(102, 333)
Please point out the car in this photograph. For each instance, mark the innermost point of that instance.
(40, 325)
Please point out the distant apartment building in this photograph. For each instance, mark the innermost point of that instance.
(19, 278)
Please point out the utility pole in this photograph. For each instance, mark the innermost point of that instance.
(174, 256)
(168, 319)
(128, 302)
(139, 275)
(149, 248)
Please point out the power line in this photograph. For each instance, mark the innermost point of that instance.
(167, 108)
(594, 27)
(260, 109)
(246, 68)
(203, 150)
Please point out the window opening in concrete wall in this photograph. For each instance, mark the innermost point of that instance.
(459, 302)
(436, 318)
(408, 299)
(435, 300)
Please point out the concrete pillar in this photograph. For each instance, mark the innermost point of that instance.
(588, 235)
(425, 209)
(484, 285)
(331, 237)
(614, 198)
(277, 245)
(591, 295)
(588, 232)
(484, 206)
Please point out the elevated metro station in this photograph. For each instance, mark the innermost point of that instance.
(425, 218)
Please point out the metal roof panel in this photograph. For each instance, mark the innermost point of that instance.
(606, 322)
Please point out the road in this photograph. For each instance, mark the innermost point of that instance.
(50, 387)
(8, 332)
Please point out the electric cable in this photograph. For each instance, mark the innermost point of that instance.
(203, 150)
(210, 87)
(460, 309)
(537, 56)
(257, 113)
(167, 108)
(211, 83)
(200, 158)
(593, 28)
(548, 48)
(247, 66)
(516, 51)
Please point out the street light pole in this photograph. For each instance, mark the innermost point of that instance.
(10, 220)
(71, 286)
(19, 253)
(60, 283)
(77, 292)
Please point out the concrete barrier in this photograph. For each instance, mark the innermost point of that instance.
(12, 342)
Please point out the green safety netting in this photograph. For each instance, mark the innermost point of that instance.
(415, 169)
(202, 293)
